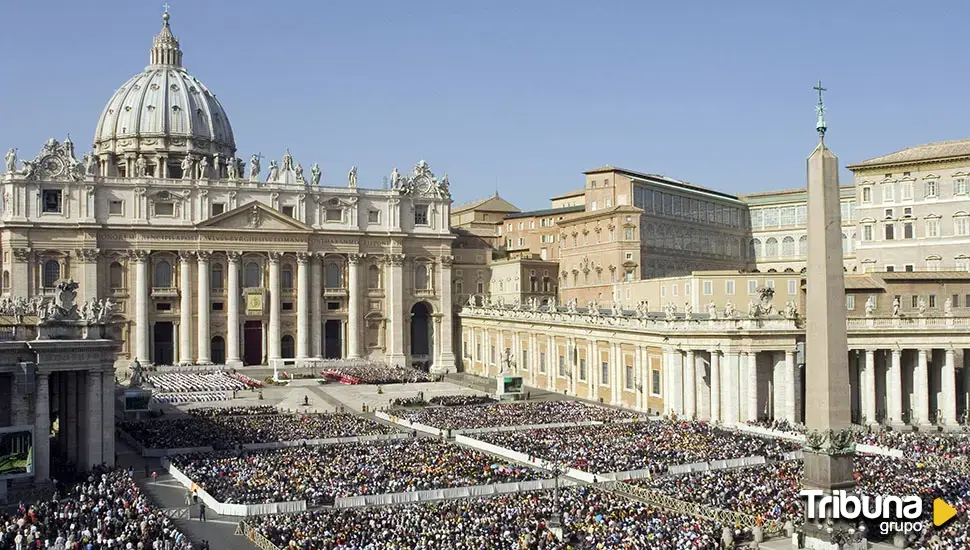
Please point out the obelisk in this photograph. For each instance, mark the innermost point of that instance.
(829, 447)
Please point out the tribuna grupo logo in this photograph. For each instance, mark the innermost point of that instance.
(894, 513)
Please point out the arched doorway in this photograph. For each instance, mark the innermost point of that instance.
(421, 333)
(286, 347)
(217, 348)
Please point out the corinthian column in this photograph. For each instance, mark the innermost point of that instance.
(316, 314)
(42, 429)
(447, 313)
(302, 306)
(273, 339)
(205, 357)
(395, 297)
(140, 259)
(232, 320)
(185, 308)
(354, 316)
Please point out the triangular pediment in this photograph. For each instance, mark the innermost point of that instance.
(254, 216)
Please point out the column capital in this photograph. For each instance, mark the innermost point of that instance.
(274, 257)
(87, 255)
(203, 256)
(234, 256)
(138, 255)
(302, 257)
(22, 254)
(446, 261)
(355, 258)
(186, 256)
(394, 259)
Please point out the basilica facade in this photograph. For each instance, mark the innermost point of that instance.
(202, 257)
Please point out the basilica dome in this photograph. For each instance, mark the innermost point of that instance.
(162, 114)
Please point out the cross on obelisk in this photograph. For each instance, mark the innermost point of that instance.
(166, 6)
(829, 446)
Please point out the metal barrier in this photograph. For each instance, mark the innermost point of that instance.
(254, 536)
(770, 527)
(177, 513)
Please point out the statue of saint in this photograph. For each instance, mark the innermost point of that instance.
(140, 166)
(895, 307)
(287, 161)
(315, 174)
(137, 378)
(187, 167)
(274, 171)
(203, 168)
(299, 174)
(216, 163)
(352, 177)
(232, 168)
(28, 169)
(90, 164)
(395, 179)
(11, 159)
(254, 167)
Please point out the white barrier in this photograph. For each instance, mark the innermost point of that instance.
(526, 459)
(467, 431)
(408, 424)
(449, 493)
(224, 509)
(865, 449)
(328, 441)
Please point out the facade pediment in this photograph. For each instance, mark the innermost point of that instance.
(254, 215)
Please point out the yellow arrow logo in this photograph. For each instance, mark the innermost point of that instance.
(942, 512)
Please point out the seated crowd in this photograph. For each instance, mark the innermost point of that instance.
(920, 445)
(443, 401)
(519, 413)
(781, 425)
(210, 412)
(648, 445)
(178, 382)
(591, 519)
(374, 373)
(223, 431)
(321, 473)
(106, 511)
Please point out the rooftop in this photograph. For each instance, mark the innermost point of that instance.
(940, 150)
(547, 212)
(499, 205)
(568, 194)
(660, 179)
(924, 275)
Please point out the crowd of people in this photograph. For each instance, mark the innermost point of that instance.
(518, 413)
(228, 430)
(211, 412)
(374, 373)
(179, 382)
(321, 473)
(442, 401)
(920, 445)
(648, 445)
(591, 518)
(781, 425)
(104, 511)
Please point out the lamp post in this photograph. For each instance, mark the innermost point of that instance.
(555, 521)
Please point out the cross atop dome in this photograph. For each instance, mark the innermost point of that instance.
(165, 48)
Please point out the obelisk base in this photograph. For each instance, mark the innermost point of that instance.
(830, 472)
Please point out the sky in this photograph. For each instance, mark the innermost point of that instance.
(518, 96)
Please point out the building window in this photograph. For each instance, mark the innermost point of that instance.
(374, 278)
(334, 215)
(792, 287)
(286, 278)
(955, 300)
(215, 277)
(803, 245)
(932, 300)
(933, 264)
(788, 247)
(963, 264)
(908, 230)
(422, 277)
(752, 286)
(116, 276)
(655, 385)
(52, 272)
(729, 288)
(932, 228)
(218, 208)
(582, 369)
(867, 232)
(51, 201)
(890, 268)
(867, 195)
(708, 288)
(525, 360)
(961, 224)
(890, 231)
(217, 306)
(604, 373)
(888, 192)
(629, 377)
(592, 205)
(332, 278)
(914, 301)
(491, 354)
(909, 267)
(960, 186)
(771, 248)
(288, 211)
(163, 275)
(253, 275)
(116, 208)
(163, 306)
(421, 214)
(906, 190)
(542, 361)
(850, 302)
(164, 209)
(562, 366)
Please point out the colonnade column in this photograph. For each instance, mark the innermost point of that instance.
(716, 415)
(948, 392)
(302, 306)
(594, 369)
(204, 356)
(752, 387)
(93, 431)
(677, 381)
(689, 389)
(42, 429)
(533, 358)
(140, 259)
(791, 393)
(395, 289)
(779, 385)
(572, 360)
(667, 374)
(273, 338)
(639, 380)
(920, 405)
(447, 319)
(316, 312)
(618, 366)
(108, 417)
(729, 404)
(868, 387)
(185, 308)
(232, 317)
(354, 314)
(894, 392)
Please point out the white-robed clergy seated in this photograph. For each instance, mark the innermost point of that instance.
(210, 264)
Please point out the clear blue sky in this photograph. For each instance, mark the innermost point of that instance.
(525, 93)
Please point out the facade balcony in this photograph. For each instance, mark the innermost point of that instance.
(217, 292)
(164, 292)
(424, 292)
(334, 292)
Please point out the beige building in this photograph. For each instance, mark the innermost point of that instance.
(483, 217)
(913, 209)
(538, 232)
(204, 264)
(522, 278)
(572, 198)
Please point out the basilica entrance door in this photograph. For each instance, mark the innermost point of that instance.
(253, 343)
(164, 352)
(332, 341)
